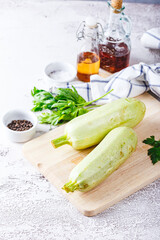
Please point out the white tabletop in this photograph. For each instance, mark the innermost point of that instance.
(33, 34)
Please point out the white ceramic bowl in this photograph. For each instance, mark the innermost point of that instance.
(18, 114)
(65, 73)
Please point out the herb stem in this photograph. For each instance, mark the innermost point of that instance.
(88, 103)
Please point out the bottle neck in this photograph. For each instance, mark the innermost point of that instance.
(114, 20)
(90, 33)
(115, 29)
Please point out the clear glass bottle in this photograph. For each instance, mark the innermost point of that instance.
(88, 61)
(114, 49)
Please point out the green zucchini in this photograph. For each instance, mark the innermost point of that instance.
(113, 150)
(89, 129)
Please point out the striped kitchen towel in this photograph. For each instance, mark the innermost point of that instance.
(151, 38)
(129, 82)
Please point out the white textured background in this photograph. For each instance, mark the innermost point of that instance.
(32, 34)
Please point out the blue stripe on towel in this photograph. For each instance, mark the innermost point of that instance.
(154, 85)
(115, 95)
(88, 91)
(155, 92)
(123, 79)
(138, 85)
(103, 99)
(149, 68)
(81, 87)
(157, 68)
(133, 67)
(145, 79)
(153, 36)
(100, 81)
(114, 80)
(141, 69)
(130, 89)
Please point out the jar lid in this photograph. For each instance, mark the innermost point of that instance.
(91, 22)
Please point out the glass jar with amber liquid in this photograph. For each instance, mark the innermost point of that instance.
(88, 61)
(114, 49)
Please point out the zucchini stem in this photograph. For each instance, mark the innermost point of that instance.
(70, 186)
(60, 141)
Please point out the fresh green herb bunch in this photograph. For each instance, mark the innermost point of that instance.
(64, 105)
(153, 152)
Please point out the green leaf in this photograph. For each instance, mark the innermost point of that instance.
(42, 100)
(58, 105)
(150, 141)
(80, 99)
(153, 152)
(69, 94)
(36, 108)
(35, 91)
(43, 96)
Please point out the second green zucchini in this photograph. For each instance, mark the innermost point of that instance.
(111, 152)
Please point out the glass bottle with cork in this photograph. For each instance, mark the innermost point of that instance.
(114, 50)
(88, 61)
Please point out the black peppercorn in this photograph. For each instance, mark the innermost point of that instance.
(20, 125)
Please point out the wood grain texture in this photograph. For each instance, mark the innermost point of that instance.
(135, 173)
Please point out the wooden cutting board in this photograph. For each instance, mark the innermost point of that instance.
(134, 174)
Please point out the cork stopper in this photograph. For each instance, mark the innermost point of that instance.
(117, 4)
